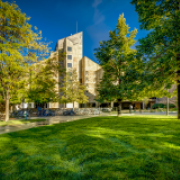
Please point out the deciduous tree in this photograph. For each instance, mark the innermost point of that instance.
(72, 90)
(44, 79)
(19, 46)
(162, 44)
(122, 68)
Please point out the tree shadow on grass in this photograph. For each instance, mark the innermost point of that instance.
(96, 148)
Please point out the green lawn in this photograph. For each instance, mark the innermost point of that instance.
(19, 122)
(129, 147)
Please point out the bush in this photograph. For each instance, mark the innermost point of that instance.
(170, 106)
(156, 106)
(174, 109)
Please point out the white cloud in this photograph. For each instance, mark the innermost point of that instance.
(98, 30)
(98, 17)
(96, 3)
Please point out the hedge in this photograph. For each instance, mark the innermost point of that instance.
(155, 106)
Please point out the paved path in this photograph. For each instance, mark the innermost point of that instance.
(145, 113)
(49, 120)
(63, 119)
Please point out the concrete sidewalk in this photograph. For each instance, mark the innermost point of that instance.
(49, 121)
(63, 119)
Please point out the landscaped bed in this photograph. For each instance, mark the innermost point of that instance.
(129, 147)
(17, 122)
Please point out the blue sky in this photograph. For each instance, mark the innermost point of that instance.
(57, 19)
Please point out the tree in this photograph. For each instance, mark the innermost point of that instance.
(162, 44)
(81, 97)
(19, 46)
(72, 90)
(121, 67)
(44, 80)
(105, 89)
(64, 91)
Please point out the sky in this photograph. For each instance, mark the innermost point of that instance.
(57, 19)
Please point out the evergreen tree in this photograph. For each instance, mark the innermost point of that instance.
(162, 44)
(19, 47)
(122, 68)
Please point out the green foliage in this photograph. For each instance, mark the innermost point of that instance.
(72, 90)
(121, 64)
(161, 46)
(20, 46)
(81, 97)
(155, 106)
(160, 105)
(174, 109)
(171, 106)
(44, 80)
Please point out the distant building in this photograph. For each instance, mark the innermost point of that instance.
(172, 100)
(89, 73)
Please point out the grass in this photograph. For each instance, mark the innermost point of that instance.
(128, 147)
(19, 122)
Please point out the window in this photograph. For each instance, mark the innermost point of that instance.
(69, 49)
(69, 65)
(87, 73)
(87, 79)
(69, 57)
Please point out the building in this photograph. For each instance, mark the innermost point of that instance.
(86, 69)
(89, 73)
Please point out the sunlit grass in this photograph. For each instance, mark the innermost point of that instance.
(128, 147)
(19, 122)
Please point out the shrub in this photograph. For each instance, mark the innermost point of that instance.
(155, 106)
(170, 106)
(174, 109)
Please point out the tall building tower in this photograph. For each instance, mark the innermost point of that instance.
(72, 46)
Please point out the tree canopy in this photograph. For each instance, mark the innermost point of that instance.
(20, 46)
(122, 67)
(72, 90)
(161, 46)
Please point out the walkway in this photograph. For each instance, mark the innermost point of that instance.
(49, 120)
(63, 119)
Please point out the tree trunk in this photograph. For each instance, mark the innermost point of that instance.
(99, 109)
(7, 110)
(167, 106)
(119, 107)
(143, 105)
(178, 91)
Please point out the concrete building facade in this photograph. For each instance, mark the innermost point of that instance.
(87, 69)
(89, 73)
